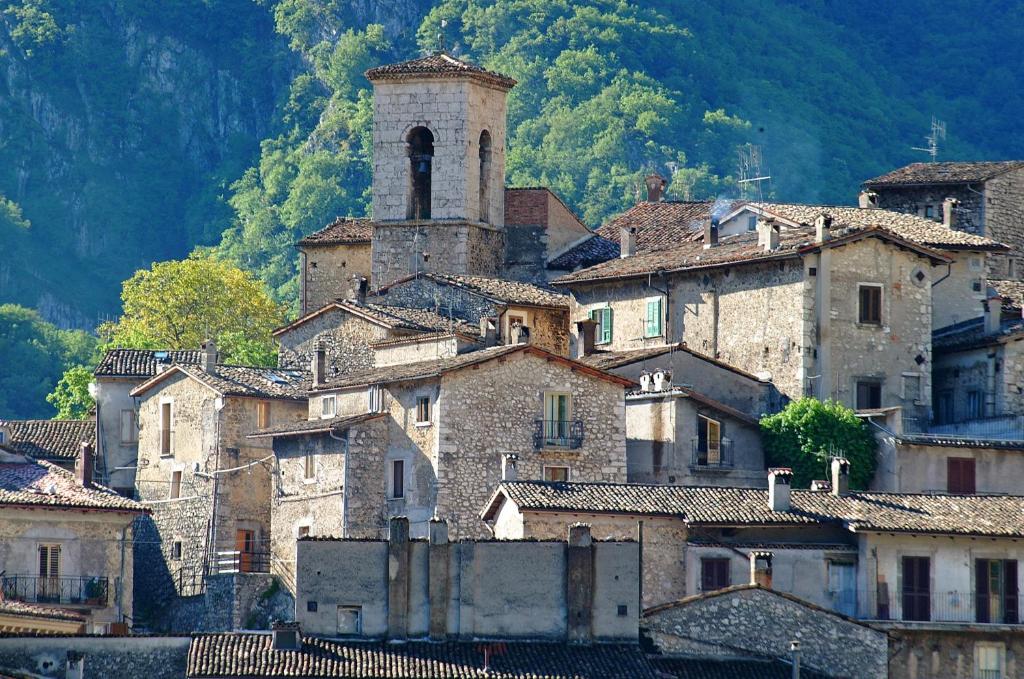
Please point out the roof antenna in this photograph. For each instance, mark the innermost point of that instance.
(938, 132)
(441, 47)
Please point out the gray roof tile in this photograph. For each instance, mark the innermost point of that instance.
(142, 362)
(49, 439)
(955, 172)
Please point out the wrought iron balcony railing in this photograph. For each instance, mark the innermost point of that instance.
(241, 562)
(558, 433)
(715, 454)
(68, 591)
(924, 606)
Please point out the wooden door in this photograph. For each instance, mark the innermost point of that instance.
(917, 595)
(245, 545)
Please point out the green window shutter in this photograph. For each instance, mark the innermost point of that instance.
(654, 318)
(607, 330)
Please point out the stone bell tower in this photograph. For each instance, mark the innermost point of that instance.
(438, 168)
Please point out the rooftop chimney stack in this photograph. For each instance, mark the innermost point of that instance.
(949, 208)
(867, 199)
(710, 232)
(488, 331)
(84, 464)
(509, 467)
(823, 228)
(779, 481)
(768, 234)
(794, 652)
(627, 242)
(285, 636)
(319, 367)
(993, 314)
(359, 287)
(840, 476)
(209, 356)
(586, 336)
(655, 187)
(761, 569)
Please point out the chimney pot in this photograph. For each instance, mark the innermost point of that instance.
(768, 234)
(710, 232)
(867, 199)
(359, 288)
(84, 465)
(209, 356)
(840, 476)
(587, 336)
(761, 569)
(645, 381)
(993, 315)
(821, 486)
(779, 481)
(509, 467)
(662, 380)
(627, 242)
(949, 208)
(655, 187)
(488, 331)
(319, 365)
(519, 334)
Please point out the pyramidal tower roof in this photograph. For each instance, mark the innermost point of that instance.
(438, 65)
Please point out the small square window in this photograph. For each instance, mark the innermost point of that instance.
(714, 573)
(556, 474)
(303, 532)
(311, 606)
(870, 304)
(350, 620)
(423, 410)
(869, 395)
(623, 610)
(328, 406)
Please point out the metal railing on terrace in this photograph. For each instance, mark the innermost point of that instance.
(924, 606)
(240, 562)
(1001, 428)
(558, 433)
(82, 590)
(713, 454)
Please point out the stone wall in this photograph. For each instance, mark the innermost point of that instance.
(102, 657)
(486, 413)
(755, 620)
(403, 248)
(538, 227)
(1004, 215)
(995, 371)
(958, 297)
(328, 271)
(446, 300)
(416, 444)
(416, 349)
(112, 397)
(346, 339)
(951, 654)
(907, 467)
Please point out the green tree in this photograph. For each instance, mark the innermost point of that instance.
(180, 304)
(808, 432)
(71, 396)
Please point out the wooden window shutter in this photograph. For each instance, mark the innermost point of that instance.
(1011, 614)
(981, 590)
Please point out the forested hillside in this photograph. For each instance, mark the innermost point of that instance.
(136, 131)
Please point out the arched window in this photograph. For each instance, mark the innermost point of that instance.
(485, 175)
(421, 154)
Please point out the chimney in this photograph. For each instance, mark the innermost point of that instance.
(840, 476)
(285, 636)
(761, 569)
(779, 481)
(794, 652)
(75, 668)
(823, 228)
(359, 287)
(509, 467)
(662, 379)
(867, 199)
(84, 464)
(949, 207)
(645, 381)
(627, 242)
(398, 577)
(488, 331)
(579, 581)
(655, 187)
(768, 234)
(710, 232)
(587, 333)
(437, 578)
(993, 314)
(820, 486)
(210, 356)
(319, 367)
(520, 334)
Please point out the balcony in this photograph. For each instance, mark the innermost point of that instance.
(240, 562)
(67, 591)
(558, 434)
(1008, 428)
(939, 607)
(711, 454)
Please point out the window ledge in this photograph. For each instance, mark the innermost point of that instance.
(165, 456)
(424, 424)
(309, 482)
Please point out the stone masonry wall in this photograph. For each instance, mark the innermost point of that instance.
(104, 657)
(328, 270)
(762, 622)
(491, 411)
(346, 339)
(403, 248)
(1004, 221)
(950, 654)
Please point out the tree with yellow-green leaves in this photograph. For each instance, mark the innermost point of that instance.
(181, 304)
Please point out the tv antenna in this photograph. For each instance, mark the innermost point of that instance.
(750, 172)
(938, 133)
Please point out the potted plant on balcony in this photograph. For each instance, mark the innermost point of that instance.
(95, 592)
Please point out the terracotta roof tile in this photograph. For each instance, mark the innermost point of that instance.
(343, 230)
(664, 224)
(20, 608)
(610, 360)
(438, 65)
(47, 485)
(220, 656)
(394, 317)
(141, 362)
(1001, 516)
(944, 173)
(242, 380)
(48, 439)
(496, 289)
(1012, 293)
(307, 427)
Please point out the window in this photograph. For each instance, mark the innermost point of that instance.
(556, 474)
(245, 545)
(262, 414)
(309, 467)
(869, 395)
(311, 606)
(129, 428)
(974, 404)
(557, 414)
(423, 410)
(303, 532)
(960, 475)
(870, 304)
(375, 398)
(485, 176)
(350, 620)
(917, 587)
(653, 328)
(912, 388)
(604, 324)
(421, 155)
(989, 660)
(176, 550)
(397, 479)
(714, 574)
(944, 407)
(929, 212)
(978, 287)
(976, 263)
(3, 437)
(175, 485)
(48, 587)
(166, 431)
(709, 441)
(328, 406)
(752, 223)
(995, 586)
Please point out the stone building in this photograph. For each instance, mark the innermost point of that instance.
(982, 198)
(65, 546)
(835, 311)
(513, 309)
(451, 428)
(351, 331)
(117, 416)
(56, 441)
(208, 485)
(332, 261)
(539, 229)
